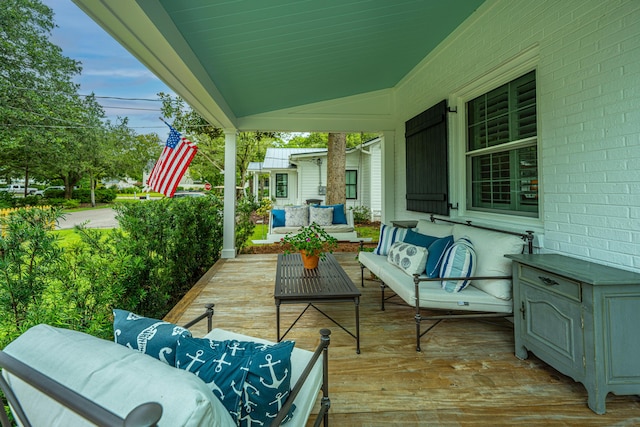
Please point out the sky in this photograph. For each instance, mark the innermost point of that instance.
(109, 70)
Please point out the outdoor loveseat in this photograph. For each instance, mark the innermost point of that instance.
(59, 377)
(334, 219)
(440, 265)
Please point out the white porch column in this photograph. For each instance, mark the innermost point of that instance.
(229, 218)
(388, 177)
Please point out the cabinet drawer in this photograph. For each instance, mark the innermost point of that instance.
(551, 282)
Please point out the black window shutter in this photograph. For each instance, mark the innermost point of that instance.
(427, 161)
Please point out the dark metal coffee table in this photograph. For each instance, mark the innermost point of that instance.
(327, 283)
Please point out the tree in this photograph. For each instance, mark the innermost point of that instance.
(336, 168)
(36, 87)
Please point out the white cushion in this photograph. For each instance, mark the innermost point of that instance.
(459, 261)
(491, 248)
(321, 216)
(409, 258)
(111, 375)
(425, 226)
(296, 216)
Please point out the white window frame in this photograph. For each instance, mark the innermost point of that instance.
(508, 71)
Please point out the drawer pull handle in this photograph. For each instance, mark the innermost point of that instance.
(547, 281)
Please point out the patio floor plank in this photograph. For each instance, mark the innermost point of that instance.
(467, 373)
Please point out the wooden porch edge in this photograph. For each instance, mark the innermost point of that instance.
(178, 310)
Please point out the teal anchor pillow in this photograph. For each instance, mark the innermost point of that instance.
(264, 372)
(154, 337)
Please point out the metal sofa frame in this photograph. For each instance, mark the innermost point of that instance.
(147, 414)
(527, 237)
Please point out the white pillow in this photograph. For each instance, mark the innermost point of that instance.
(321, 216)
(491, 248)
(409, 258)
(459, 261)
(296, 216)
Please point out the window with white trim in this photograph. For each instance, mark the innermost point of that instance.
(282, 185)
(351, 179)
(501, 153)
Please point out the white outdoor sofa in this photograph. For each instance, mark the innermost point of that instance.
(341, 231)
(489, 293)
(59, 377)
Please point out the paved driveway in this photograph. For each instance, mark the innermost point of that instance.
(95, 218)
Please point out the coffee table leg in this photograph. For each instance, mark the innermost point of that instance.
(357, 301)
(278, 320)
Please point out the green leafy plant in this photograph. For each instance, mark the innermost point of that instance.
(313, 240)
(361, 214)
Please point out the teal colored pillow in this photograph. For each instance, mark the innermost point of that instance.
(437, 250)
(154, 337)
(220, 366)
(339, 216)
(278, 217)
(418, 239)
(251, 379)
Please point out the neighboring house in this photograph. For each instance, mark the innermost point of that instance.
(296, 175)
(518, 114)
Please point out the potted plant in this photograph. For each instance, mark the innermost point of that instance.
(312, 241)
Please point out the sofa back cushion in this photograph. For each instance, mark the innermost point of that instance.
(425, 226)
(111, 375)
(491, 248)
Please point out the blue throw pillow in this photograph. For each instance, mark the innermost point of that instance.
(278, 217)
(220, 365)
(154, 337)
(459, 261)
(252, 380)
(339, 216)
(388, 236)
(437, 250)
(418, 239)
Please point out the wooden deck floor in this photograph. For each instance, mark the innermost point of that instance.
(466, 374)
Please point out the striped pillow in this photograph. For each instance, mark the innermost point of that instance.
(388, 236)
(459, 261)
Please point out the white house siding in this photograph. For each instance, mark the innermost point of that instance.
(587, 61)
(292, 198)
(375, 165)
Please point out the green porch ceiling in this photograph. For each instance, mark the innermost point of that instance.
(268, 55)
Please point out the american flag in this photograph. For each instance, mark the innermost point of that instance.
(172, 164)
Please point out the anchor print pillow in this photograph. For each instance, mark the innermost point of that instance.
(263, 370)
(154, 337)
(222, 365)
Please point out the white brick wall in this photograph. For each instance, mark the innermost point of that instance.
(588, 80)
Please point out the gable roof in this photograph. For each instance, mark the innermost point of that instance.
(278, 158)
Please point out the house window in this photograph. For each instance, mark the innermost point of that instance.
(502, 149)
(282, 185)
(351, 178)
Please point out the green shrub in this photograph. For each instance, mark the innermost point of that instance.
(244, 225)
(71, 203)
(361, 214)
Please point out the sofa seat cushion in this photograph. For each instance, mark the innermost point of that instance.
(431, 293)
(305, 400)
(111, 375)
(331, 229)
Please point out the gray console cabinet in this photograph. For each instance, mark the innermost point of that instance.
(581, 318)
